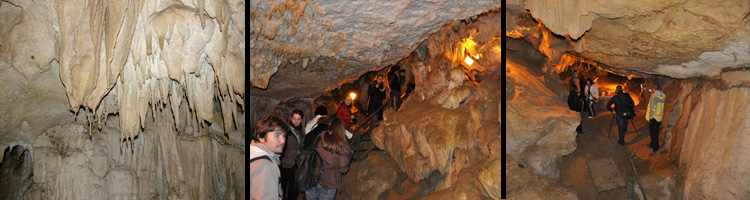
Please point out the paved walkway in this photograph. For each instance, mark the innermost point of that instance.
(600, 168)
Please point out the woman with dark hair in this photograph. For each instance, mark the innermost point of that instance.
(335, 155)
(293, 141)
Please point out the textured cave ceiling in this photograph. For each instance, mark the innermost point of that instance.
(300, 48)
(129, 58)
(675, 38)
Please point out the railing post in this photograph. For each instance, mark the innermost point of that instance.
(359, 140)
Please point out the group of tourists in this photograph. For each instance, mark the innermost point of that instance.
(277, 163)
(585, 94)
(288, 157)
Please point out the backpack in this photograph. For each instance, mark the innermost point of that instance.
(574, 101)
(309, 167)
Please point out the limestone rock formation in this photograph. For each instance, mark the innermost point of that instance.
(541, 127)
(80, 78)
(522, 183)
(704, 135)
(679, 39)
(450, 124)
(15, 172)
(295, 43)
(371, 182)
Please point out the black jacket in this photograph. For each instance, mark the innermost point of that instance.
(622, 103)
(376, 96)
(395, 81)
(313, 134)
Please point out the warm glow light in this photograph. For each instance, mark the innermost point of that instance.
(353, 95)
(469, 61)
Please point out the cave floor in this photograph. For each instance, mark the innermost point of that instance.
(588, 170)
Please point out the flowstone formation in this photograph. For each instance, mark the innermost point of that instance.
(297, 42)
(447, 133)
(152, 55)
(163, 79)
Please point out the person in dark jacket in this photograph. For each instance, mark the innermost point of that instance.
(376, 94)
(291, 149)
(336, 156)
(623, 103)
(396, 79)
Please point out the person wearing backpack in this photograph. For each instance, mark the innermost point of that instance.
(265, 146)
(335, 155)
(320, 111)
(623, 110)
(654, 114)
(291, 149)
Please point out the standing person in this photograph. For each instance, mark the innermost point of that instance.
(575, 102)
(654, 114)
(265, 146)
(344, 113)
(396, 79)
(376, 94)
(582, 94)
(572, 83)
(293, 142)
(320, 111)
(623, 103)
(335, 155)
(592, 96)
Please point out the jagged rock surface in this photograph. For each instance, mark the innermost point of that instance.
(674, 38)
(541, 127)
(706, 135)
(371, 182)
(523, 183)
(295, 43)
(449, 125)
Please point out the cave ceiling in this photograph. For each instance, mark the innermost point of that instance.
(300, 48)
(675, 38)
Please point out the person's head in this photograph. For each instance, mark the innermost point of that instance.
(296, 118)
(657, 86)
(589, 81)
(334, 140)
(575, 74)
(321, 110)
(618, 90)
(348, 101)
(379, 79)
(271, 131)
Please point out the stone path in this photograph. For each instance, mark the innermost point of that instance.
(600, 168)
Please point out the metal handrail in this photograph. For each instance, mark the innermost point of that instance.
(359, 133)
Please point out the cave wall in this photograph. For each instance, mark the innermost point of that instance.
(705, 135)
(447, 133)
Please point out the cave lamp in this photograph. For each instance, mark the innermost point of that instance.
(352, 95)
(469, 61)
